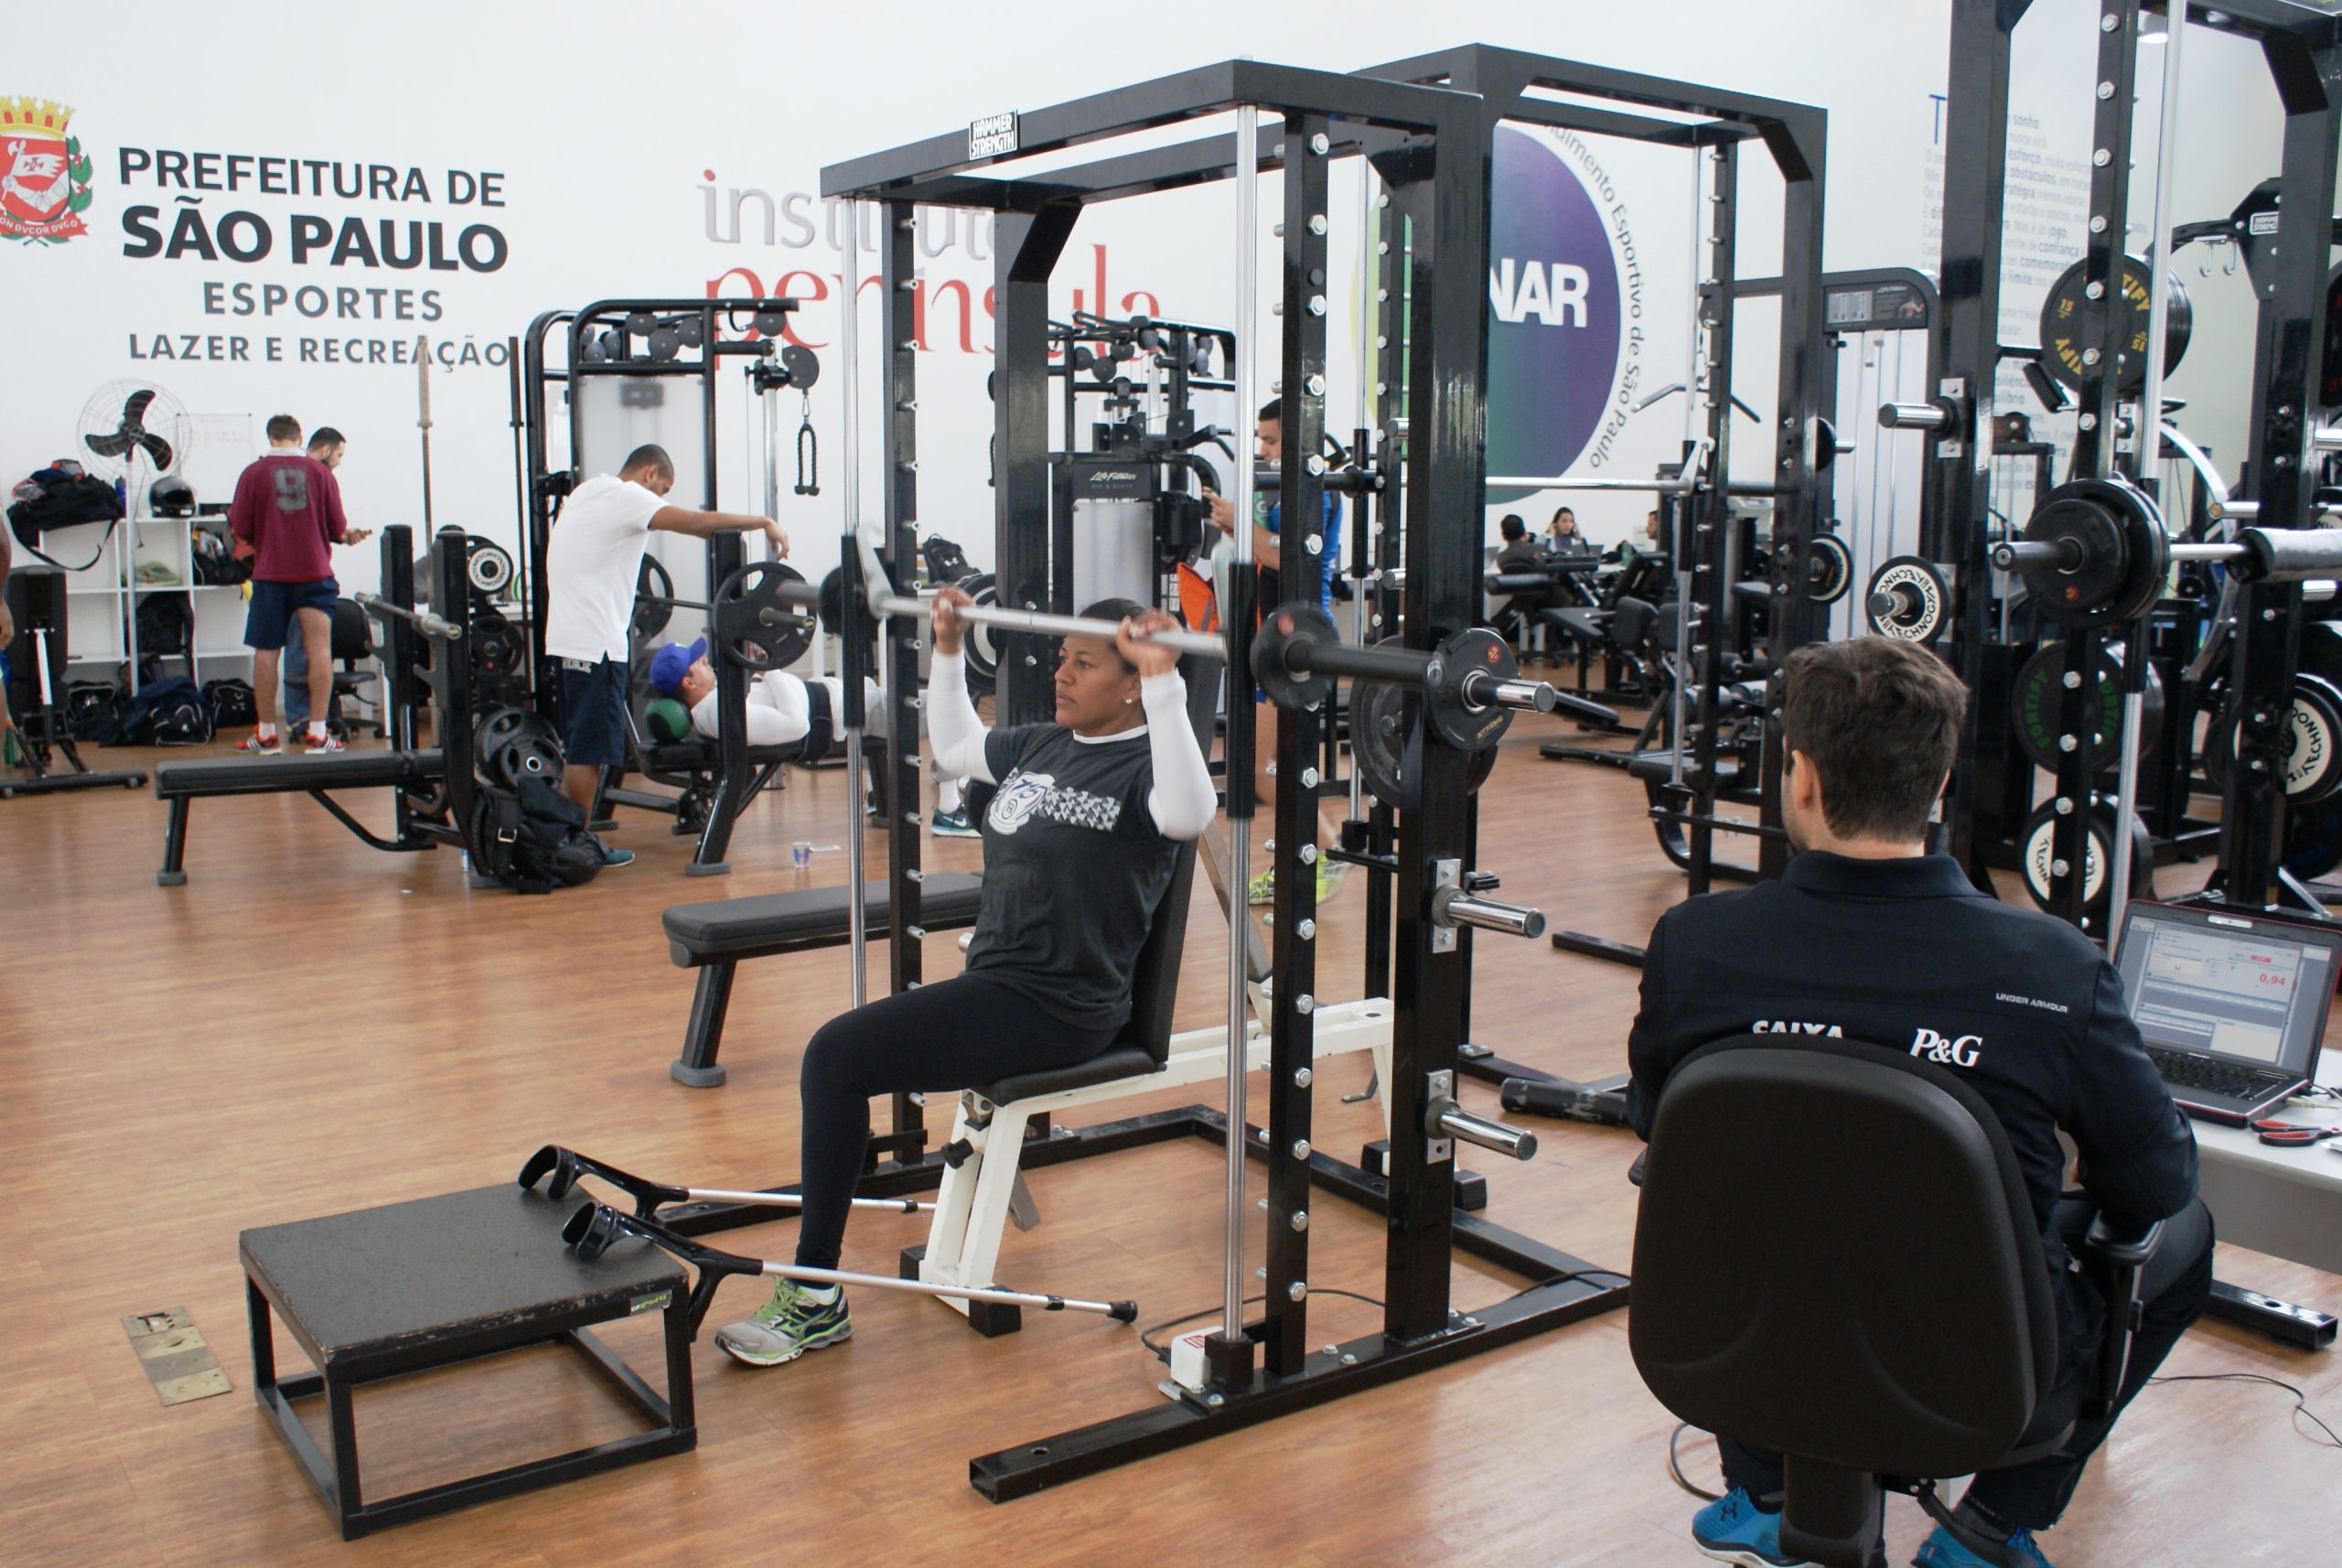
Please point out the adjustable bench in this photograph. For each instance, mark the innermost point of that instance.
(181, 782)
(715, 937)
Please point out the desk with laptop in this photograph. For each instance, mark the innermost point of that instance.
(2233, 1009)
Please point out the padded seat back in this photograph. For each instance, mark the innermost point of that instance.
(1631, 621)
(353, 637)
(1836, 1257)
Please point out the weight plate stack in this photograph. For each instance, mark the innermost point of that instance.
(2037, 702)
(2039, 859)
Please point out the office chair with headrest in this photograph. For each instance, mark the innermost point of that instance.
(1836, 1258)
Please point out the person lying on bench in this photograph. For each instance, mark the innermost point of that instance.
(780, 713)
(1079, 843)
(779, 705)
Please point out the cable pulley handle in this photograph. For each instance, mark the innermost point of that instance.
(809, 453)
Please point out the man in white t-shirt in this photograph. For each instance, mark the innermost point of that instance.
(591, 568)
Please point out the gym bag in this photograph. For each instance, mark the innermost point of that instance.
(231, 703)
(532, 840)
(163, 712)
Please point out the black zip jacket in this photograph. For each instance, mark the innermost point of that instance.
(1909, 954)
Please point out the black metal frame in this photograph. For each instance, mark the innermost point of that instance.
(2301, 48)
(1410, 134)
(737, 780)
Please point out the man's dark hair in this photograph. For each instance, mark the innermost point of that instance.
(650, 455)
(325, 439)
(283, 427)
(1117, 611)
(1271, 411)
(1510, 525)
(1880, 719)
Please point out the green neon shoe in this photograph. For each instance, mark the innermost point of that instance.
(792, 1322)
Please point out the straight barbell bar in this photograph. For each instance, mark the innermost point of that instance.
(2255, 556)
(423, 621)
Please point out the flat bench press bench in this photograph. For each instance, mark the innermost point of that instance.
(715, 937)
(182, 782)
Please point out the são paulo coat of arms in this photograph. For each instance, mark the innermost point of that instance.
(44, 177)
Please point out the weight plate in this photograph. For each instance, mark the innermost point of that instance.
(650, 617)
(2061, 326)
(2313, 758)
(2036, 707)
(1286, 624)
(2039, 859)
(1474, 652)
(751, 622)
(526, 757)
(488, 565)
(2117, 532)
(1387, 748)
(1908, 600)
(496, 644)
(982, 643)
(496, 728)
(1829, 569)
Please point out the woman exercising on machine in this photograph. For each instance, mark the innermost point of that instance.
(1079, 842)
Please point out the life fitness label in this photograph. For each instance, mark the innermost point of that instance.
(1562, 313)
(991, 136)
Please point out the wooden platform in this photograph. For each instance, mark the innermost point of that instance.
(311, 1025)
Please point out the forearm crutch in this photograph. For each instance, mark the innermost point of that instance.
(568, 1167)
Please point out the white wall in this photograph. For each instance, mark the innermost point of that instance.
(615, 130)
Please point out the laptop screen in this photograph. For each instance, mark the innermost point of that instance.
(2253, 992)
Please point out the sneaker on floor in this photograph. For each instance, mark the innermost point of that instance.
(611, 857)
(259, 744)
(1329, 876)
(1263, 889)
(1943, 1550)
(955, 825)
(325, 742)
(788, 1323)
(1733, 1528)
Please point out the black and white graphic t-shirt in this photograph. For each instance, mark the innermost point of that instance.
(1074, 867)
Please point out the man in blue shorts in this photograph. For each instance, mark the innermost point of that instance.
(287, 511)
(591, 568)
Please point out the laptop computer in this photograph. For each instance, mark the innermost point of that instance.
(2232, 1007)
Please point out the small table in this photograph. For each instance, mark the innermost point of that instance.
(409, 1286)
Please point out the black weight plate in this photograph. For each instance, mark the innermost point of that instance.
(526, 757)
(1474, 651)
(2061, 325)
(2314, 839)
(1386, 749)
(1829, 569)
(496, 728)
(982, 643)
(495, 642)
(753, 625)
(650, 618)
(2035, 705)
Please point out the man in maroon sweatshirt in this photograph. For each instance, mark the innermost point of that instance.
(289, 512)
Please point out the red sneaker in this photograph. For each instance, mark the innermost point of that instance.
(327, 741)
(259, 744)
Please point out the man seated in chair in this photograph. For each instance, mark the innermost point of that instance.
(1867, 937)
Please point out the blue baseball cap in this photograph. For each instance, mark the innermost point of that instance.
(671, 663)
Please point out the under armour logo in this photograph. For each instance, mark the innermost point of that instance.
(1961, 1052)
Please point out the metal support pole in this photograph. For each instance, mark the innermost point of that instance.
(850, 441)
(1240, 784)
(2150, 426)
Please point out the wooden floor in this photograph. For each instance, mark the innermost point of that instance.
(309, 1026)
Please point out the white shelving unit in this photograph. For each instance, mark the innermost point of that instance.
(101, 621)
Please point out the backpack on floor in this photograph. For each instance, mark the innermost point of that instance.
(532, 840)
(163, 712)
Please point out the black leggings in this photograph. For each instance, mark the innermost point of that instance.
(947, 1036)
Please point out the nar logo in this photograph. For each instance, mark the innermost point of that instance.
(1781, 1026)
(1961, 1052)
(1555, 292)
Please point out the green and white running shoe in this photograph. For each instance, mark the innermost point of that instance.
(795, 1320)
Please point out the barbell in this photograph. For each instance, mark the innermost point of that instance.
(423, 621)
(2095, 553)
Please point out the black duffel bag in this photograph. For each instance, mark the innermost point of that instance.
(532, 840)
(231, 703)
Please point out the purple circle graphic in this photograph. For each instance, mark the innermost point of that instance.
(1553, 317)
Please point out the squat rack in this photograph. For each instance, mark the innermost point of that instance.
(1412, 134)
